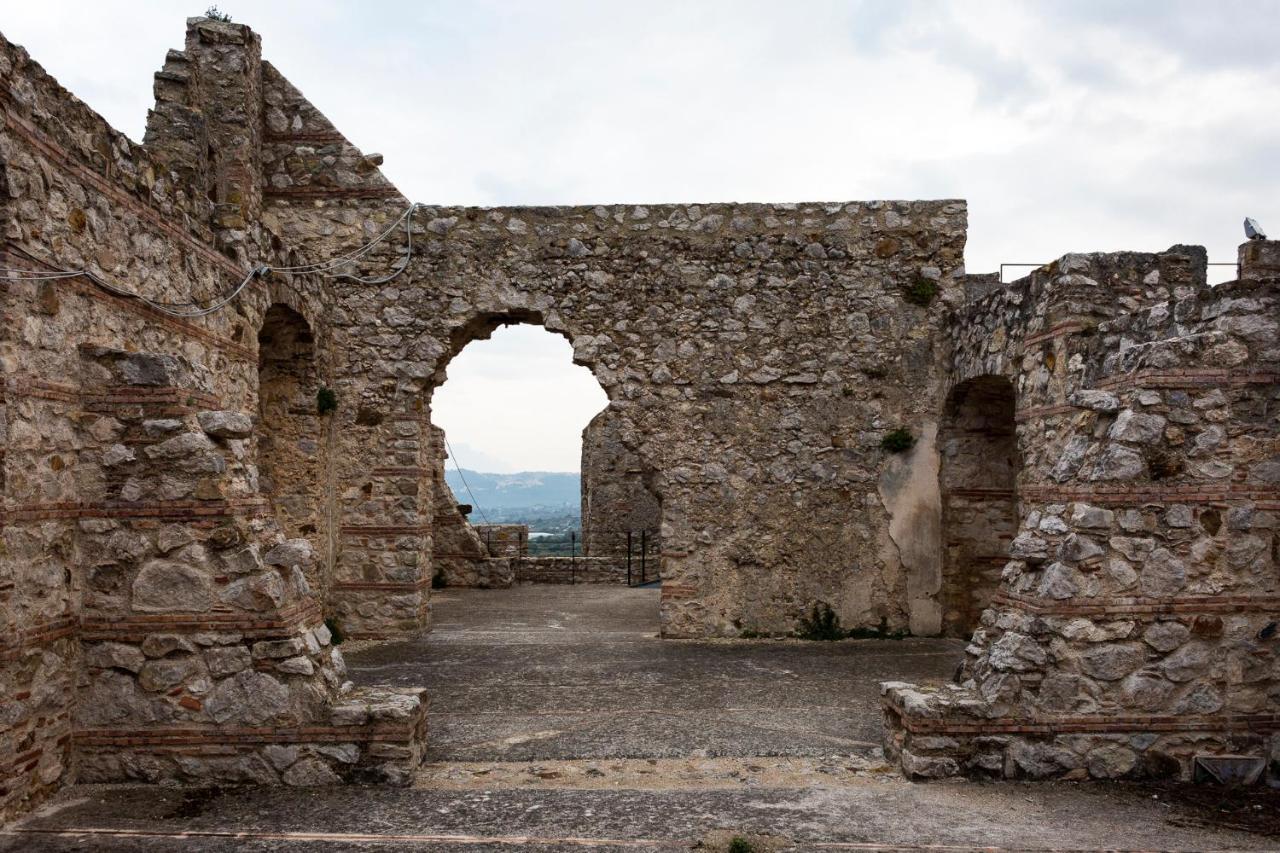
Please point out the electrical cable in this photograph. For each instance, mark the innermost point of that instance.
(203, 308)
(463, 478)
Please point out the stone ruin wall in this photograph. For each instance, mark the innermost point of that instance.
(615, 499)
(733, 342)
(1135, 624)
(157, 622)
(176, 530)
(459, 556)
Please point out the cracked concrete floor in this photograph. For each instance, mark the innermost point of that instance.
(560, 722)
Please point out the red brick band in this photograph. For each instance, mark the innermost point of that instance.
(386, 586)
(980, 494)
(1187, 378)
(316, 137)
(385, 529)
(309, 193)
(209, 736)
(1134, 607)
(1201, 492)
(19, 257)
(1061, 330)
(159, 219)
(182, 510)
(287, 622)
(1036, 412)
(18, 643)
(169, 397)
(1090, 725)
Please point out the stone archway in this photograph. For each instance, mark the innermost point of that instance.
(488, 548)
(978, 446)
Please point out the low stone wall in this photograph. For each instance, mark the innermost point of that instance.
(504, 540)
(1134, 627)
(572, 570)
(459, 556)
(949, 730)
(371, 735)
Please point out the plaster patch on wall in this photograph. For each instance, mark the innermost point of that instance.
(908, 489)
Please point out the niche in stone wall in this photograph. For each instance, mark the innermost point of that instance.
(291, 449)
(979, 468)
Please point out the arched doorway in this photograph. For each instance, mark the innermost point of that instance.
(292, 452)
(513, 410)
(979, 467)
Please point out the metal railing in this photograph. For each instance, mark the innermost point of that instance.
(638, 569)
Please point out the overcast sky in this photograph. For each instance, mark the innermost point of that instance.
(1078, 125)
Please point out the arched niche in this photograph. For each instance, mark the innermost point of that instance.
(978, 472)
(292, 452)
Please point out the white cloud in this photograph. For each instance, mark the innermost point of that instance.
(1070, 126)
(516, 402)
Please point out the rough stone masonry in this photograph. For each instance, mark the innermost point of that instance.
(1079, 470)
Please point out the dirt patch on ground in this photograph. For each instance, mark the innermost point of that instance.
(1253, 809)
(656, 774)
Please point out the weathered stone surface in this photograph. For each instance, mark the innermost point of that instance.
(1137, 428)
(292, 552)
(159, 645)
(248, 697)
(114, 656)
(928, 767)
(1098, 401)
(1110, 762)
(227, 660)
(1119, 463)
(1162, 575)
(223, 424)
(1112, 661)
(1166, 636)
(310, 772)
(166, 586)
(1187, 662)
(160, 675)
(1041, 761)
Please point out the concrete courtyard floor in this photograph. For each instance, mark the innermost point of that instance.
(559, 721)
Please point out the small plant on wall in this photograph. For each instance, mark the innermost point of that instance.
(822, 623)
(921, 292)
(326, 401)
(213, 13)
(899, 440)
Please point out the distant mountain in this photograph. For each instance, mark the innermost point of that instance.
(524, 490)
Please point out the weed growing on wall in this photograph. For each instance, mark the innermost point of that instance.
(921, 292)
(326, 401)
(899, 440)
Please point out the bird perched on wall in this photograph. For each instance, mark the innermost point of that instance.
(1253, 230)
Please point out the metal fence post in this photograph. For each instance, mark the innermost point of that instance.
(644, 548)
(573, 558)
